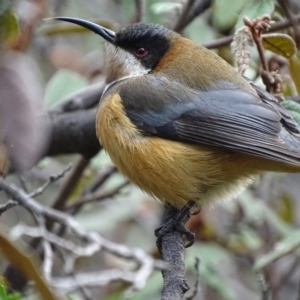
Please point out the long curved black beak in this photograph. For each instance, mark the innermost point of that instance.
(107, 34)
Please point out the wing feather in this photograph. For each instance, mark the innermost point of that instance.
(226, 117)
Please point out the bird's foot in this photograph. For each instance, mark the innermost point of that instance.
(174, 221)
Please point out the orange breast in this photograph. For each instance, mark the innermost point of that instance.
(170, 171)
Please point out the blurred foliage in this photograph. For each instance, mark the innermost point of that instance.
(5, 296)
(281, 44)
(8, 23)
(293, 109)
(258, 230)
(61, 84)
(16, 257)
(294, 63)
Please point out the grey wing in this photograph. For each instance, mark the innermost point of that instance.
(228, 118)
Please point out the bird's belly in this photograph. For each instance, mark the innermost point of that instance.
(171, 171)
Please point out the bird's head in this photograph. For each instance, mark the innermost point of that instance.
(134, 50)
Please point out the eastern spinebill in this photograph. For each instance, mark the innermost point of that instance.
(181, 123)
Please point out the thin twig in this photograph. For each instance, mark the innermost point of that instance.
(41, 232)
(48, 253)
(102, 278)
(83, 99)
(228, 39)
(22, 182)
(51, 179)
(257, 27)
(94, 243)
(139, 10)
(285, 5)
(265, 291)
(9, 204)
(70, 183)
(99, 180)
(198, 8)
(195, 290)
(181, 21)
(76, 204)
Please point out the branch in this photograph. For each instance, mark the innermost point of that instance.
(94, 243)
(100, 179)
(74, 132)
(51, 179)
(196, 288)
(274, 27)
(139, 10)
(191, 12)
(172, 249)
(102, 194)
(83, 99)
(70, 184)
(9, 204)
(181, 21)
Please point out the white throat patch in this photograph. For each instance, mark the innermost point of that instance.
(121, 64)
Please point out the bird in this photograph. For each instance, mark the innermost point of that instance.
(182, 124)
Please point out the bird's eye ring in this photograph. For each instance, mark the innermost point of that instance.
(141, 52)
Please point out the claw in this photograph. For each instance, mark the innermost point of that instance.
(174, 221)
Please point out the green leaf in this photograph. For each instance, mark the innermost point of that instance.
(254, 9)
(4, 6)
(288, 245)
(279, 43)
(293, 108)
(8, 25)
(225, 18)
(247, 239)
(211, 257)
(294, 63)
(152, 290)
(257, 212)
(285, 208)
(166, 7)
(4, 296)
(63, 83)
(192, 31)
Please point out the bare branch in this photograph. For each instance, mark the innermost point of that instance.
(139, 10)
(51, 179)
(83, 99)
(48, 253)
(103, 278)
(74, 132)
(97, 196)
(181, 21)
(265, 292)
(41, 232)
(70, 183)
(9, 204)
(196, 285)
(194, 10)
(94, 242)
(175, 285)
(100, 179)
(274, 27)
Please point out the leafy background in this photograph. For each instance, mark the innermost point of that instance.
(235, 241)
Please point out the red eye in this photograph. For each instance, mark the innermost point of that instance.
(141, 52)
